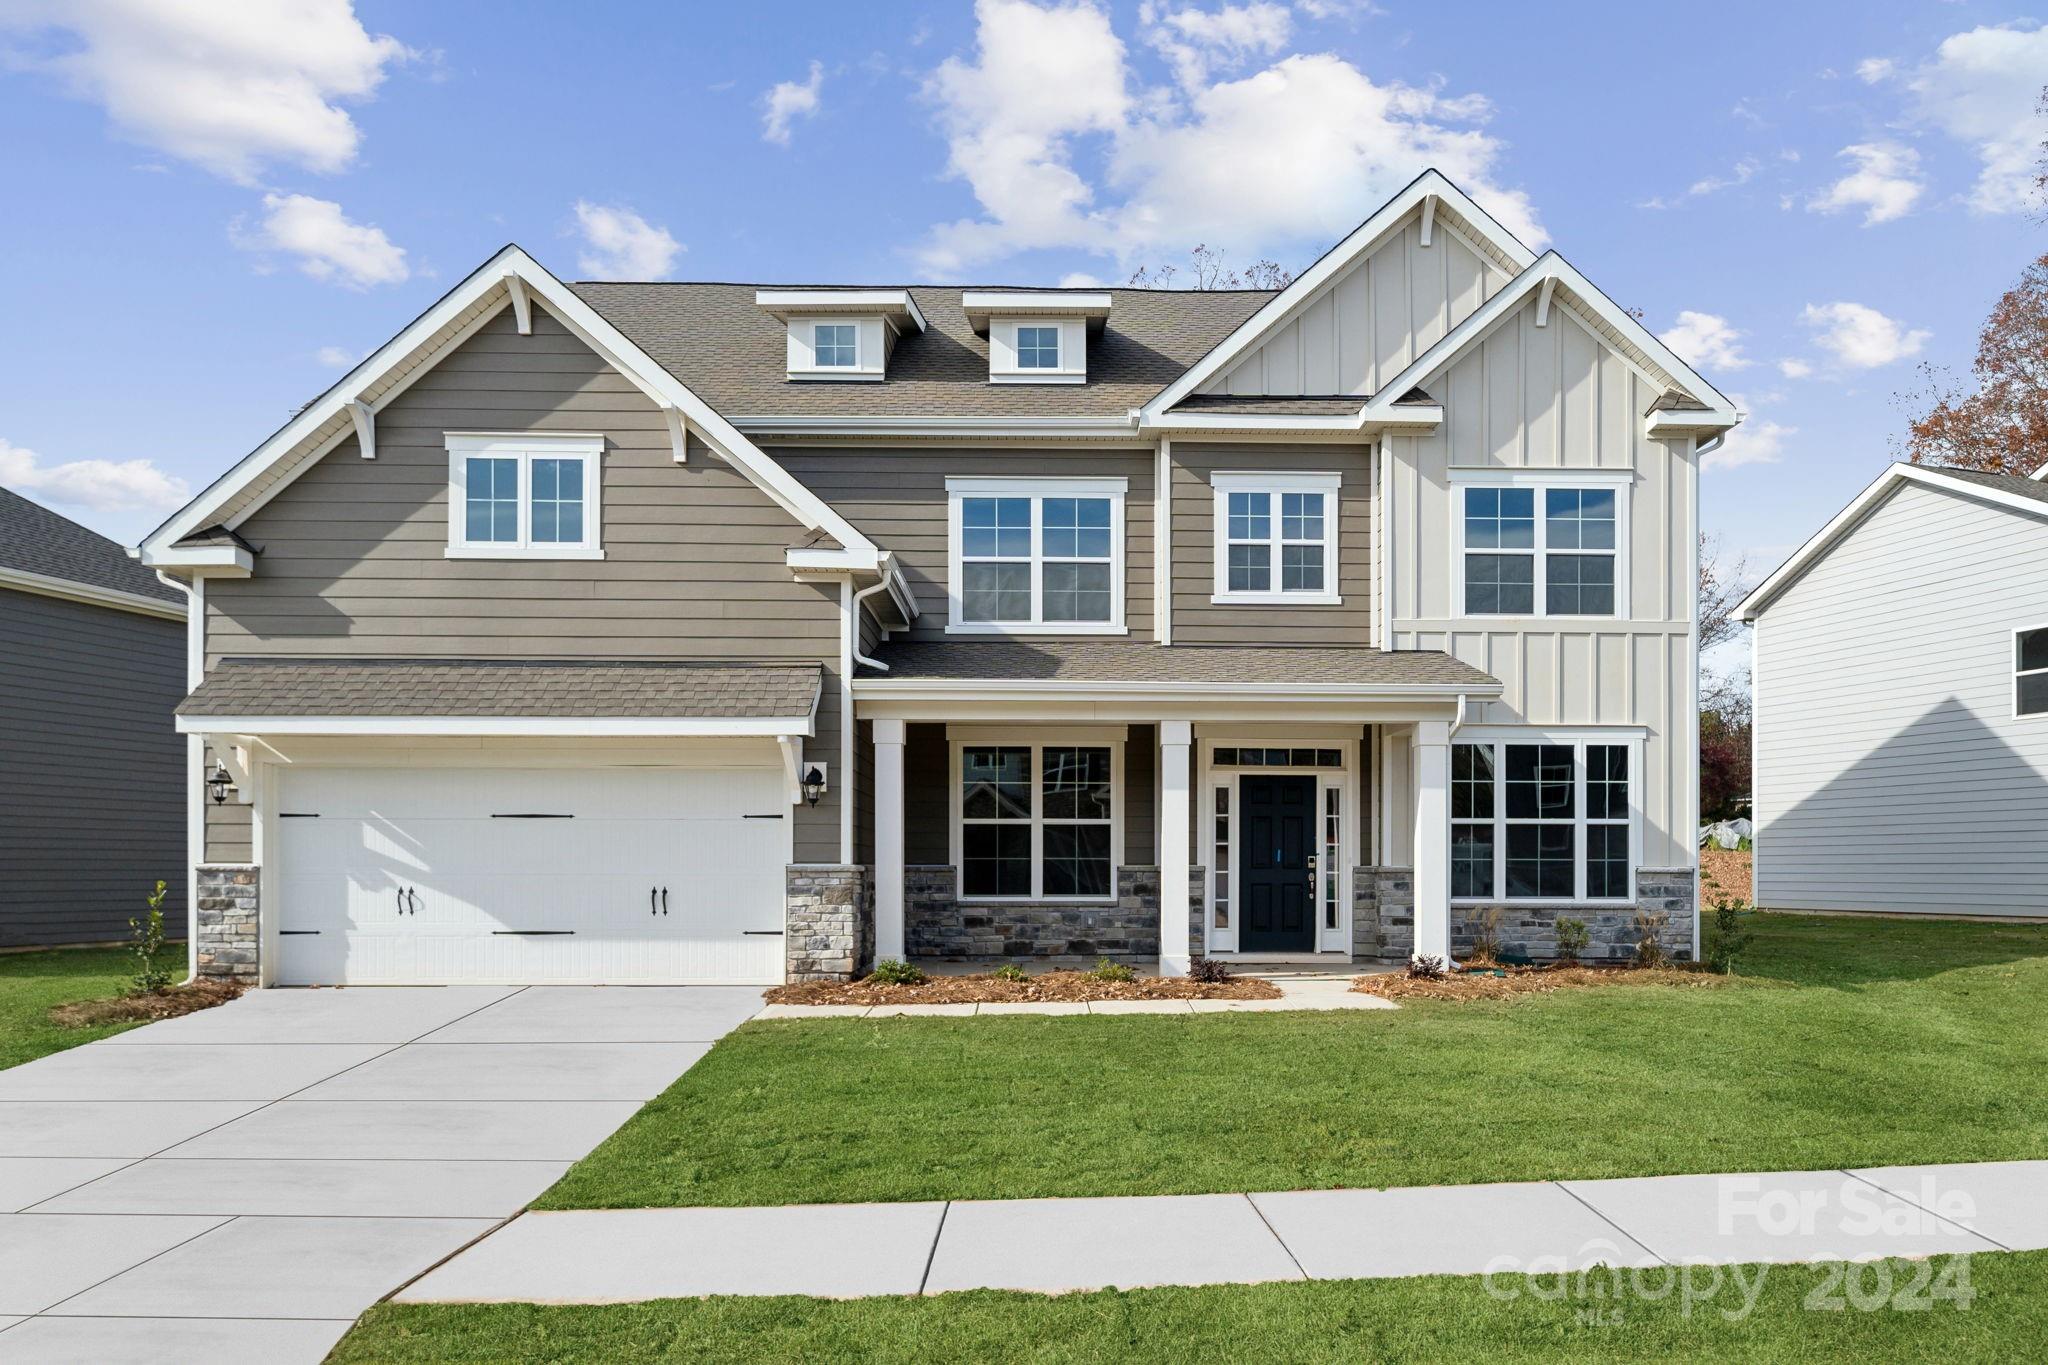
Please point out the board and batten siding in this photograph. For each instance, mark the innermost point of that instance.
(1556, 397)
(897, 498)
(1371, 322)
(352, 556)
(1891, 773)
(1198, 620)
(92, 774)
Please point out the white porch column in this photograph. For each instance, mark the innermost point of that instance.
(888, 837)
(1432, 777)
(1174, 739)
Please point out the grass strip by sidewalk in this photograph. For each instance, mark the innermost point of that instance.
(1436, 1318)
(1848, 1042)
(32, 983)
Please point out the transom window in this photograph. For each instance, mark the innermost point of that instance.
(527, 497)
(1037, 555)
(2030, 672)
(835, 345)
(1545, 821)
(1275, 538)
(1531, 550)
(1037, 821)
(1038, 348)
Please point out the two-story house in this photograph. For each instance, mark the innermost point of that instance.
(707, 632)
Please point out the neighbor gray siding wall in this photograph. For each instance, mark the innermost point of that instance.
(352, 559)
(1199, 621)
(1891, 773)
(92, 774)
(898, 499)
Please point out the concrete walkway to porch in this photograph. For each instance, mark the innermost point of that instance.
(1067, 1245)
(1302, 987)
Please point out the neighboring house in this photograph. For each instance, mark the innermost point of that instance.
(702, 632)
(1901, 703)
(93, 796)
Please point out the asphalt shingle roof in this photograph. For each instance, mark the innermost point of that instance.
(2019, 485)
(1082, 661)
(495, 687)
(734, 355)
(1248, 405)
(33, 539)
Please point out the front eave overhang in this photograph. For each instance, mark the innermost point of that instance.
(905, 426)
(1225, 694)
(43, 585)
(1403, 417)
(509, 727)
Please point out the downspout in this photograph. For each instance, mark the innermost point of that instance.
(1458, 721)
(195, 764)
(881, 585)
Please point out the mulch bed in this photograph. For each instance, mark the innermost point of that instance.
(990, 990)
(1724, 872)
(1527, 981)
(166, 1004)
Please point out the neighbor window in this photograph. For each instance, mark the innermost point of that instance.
(1276, 537)
(1038, 348)
(1037, 555)
(1541, 550)
(1544, 821)
(833, 345)
(1036, 821)
(2030, 664)
(523, 497)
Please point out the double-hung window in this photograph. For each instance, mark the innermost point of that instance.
(1276, 538)
(835, 345)
(1541, 544)
(1546, 820)
(523, 497)
(2030, 672)
(1036, 555)
(1038, 348)
(1036, 821)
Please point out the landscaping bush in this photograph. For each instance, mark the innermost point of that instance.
(1649, 938)
(1009, 971)
(1728, 938)
(1105, 970)
(894, 972)
(146, 942)
(1427, 968)
(1572, 938)
(1209, 971)
(1486, 936)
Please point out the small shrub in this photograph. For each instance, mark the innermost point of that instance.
(1209, 971)
(1728, 938)
(1105, 970)
(146, 941)
(894, 972)
(1486, 936)
(1009, 971)
(1572, 938)
(1649, 938)
(1426, 968)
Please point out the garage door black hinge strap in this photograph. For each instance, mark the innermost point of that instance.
(530, 815)
(762, 933)
(286, 933)
(760, 817)
(298, 815)
(528, 933)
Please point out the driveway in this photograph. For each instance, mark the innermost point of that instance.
(240, 1183)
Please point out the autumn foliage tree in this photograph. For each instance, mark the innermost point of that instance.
(1999, 422)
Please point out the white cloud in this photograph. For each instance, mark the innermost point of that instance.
(1885, 184)
(1195, 41)
(1297, 153)
(788, 101)
(1079, 279)
(1871, 70)
(618, 244)
(1754, 441)
(229, 87)
(328, 246)
(1705, 340)
(336, 357)
(96, 485)
(1741, 173)
(1861, 338)
(1792, 367)
(1982, 88)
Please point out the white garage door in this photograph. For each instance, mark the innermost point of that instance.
(531, 875)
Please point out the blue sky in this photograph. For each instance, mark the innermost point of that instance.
(213, 210)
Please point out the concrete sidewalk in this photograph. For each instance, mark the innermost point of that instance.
(1060, 1245)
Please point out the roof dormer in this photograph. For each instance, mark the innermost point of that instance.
(1036, 337)
(842, 334)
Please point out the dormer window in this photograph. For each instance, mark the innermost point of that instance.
(1038, 348)
(835, 345)
(841, 334)
(1036, 337)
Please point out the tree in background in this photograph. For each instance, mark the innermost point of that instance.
(1207, 271)
(1724, 697)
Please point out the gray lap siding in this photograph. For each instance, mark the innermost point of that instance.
(352, 556)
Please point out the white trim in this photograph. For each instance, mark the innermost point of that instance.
(1364, 693)
(1846, 520)
(984, 305)
(791, 304)
(587, 450)
(509, 726)
(1092, 430)
(1543, 301)
(1070, 350)
(43, 585)
(1328, 486)
(522, 307)
(959, 488)
(1428, 218)
(1037, 740)
(1398, 416)
(1162, 543)
(678, 432)
(1621, 484)
(232, 560)
(1630, 738)
(2017, 674)
(364, 418)
(1497, 476)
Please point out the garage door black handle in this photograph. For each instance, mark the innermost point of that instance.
(650, 901)
(664, 900)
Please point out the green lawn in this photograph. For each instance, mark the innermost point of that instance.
(1849, 1041)
(1445, 1318)
(30, 983)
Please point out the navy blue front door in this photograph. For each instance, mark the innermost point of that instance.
(1278, 843)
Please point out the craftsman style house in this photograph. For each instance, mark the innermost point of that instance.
(698, 632)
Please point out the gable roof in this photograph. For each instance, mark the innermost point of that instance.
(41, 551)
(2013, 492)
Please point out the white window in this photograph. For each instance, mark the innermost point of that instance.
(1276, 538)
(2030, 672)
(1036, 555)
(1036, 820)
(1547, 819)
(835, 345)
(1038, 348)
(524, 497)
(1548, 543)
